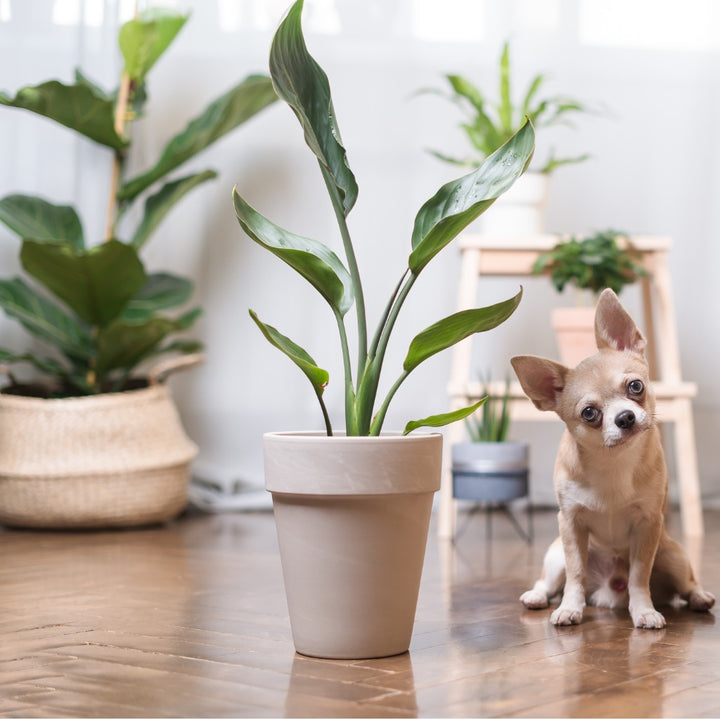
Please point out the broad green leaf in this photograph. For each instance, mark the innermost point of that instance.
(317, 376)
(145, 38)
(451, 330)
(183, 347)
(36, 219)
(314, 261)
(123, 345)
(161, 291)
(97, 283)
(227, 112)
(44, 319)
(43, 364)
(461, 201)
(443, 418)
(79, 107)
(189, 318)
(159, 205)
(304, 86)
(82, 79)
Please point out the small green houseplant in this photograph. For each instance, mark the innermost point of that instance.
(488, 125)
(489, 468)
(99, 311)
(593, 262)
(97, 444)
(492, 422)
(589, 264)
(352, 509)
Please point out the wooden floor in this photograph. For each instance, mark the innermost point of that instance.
(190, 620)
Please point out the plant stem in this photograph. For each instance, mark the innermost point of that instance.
(393, 315)
(326, 416)
(379, 418)
(381, 325)
(120, 118)
(368, 386)
(350, 409)
(353, 267)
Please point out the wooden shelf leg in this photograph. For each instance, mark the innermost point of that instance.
(447, 511)
(687, 470)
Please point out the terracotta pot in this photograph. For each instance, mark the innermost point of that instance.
(575, 333)
(352, 517)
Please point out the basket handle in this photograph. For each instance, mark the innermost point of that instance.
(164, 369)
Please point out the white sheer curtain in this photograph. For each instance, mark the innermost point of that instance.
(649, 67)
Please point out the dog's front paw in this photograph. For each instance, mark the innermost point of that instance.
(534, 599)
(701, 600)
(567, 615)
(647, 618)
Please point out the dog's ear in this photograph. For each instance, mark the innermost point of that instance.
(542, 380)
(614, 328)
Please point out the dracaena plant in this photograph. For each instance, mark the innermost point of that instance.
(489, 124)
(303, 85)
(98, 311)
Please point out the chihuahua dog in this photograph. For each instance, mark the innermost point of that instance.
(610, 481)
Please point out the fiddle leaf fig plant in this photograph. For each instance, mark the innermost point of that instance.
(304, 86)
(97, 309)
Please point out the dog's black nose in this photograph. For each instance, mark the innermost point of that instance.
(625, 420)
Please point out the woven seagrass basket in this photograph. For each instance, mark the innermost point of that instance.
(113, 460)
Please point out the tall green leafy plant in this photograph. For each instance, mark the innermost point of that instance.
(488, 124)
(98, 309)
(303, 85)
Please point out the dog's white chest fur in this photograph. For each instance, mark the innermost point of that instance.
(607, 499)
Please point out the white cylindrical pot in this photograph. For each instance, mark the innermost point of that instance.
(520, 212)
(352, 517)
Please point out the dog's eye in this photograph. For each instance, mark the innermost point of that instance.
(636, 387)
(590, 415)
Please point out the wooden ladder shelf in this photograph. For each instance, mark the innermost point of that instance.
(514, 257)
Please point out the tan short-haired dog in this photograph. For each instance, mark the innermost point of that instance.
(610, 481)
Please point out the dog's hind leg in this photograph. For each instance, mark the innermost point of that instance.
(672, 574)
(551, 580)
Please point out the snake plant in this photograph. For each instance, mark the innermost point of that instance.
(304, 86)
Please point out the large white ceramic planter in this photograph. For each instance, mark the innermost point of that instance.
(352, 516)
(520, 212)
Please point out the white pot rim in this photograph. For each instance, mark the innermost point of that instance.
(322, 436)
(313, 463)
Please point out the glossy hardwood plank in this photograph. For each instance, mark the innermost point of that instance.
(189, 620)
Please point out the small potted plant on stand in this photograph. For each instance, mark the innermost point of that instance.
(489, 469)
(590, 264)
(95, 444)
(488, 125)
(352, 508)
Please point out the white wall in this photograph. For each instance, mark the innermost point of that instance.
(650, 68)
